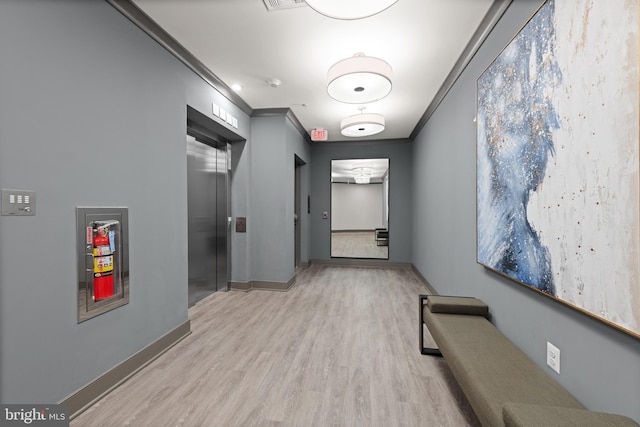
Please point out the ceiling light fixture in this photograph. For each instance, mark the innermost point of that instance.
(362, 125)
(362, 174)
(359, 80)
(349, 9)
(362, 179)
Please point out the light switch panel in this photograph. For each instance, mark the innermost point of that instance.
(18, 202)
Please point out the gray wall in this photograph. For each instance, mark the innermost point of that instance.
(240, 184)
(297, 146)
(275, 144)
(399, 153)
(93, 113)
(599, 364)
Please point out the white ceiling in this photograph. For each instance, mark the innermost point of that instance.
(242, 42)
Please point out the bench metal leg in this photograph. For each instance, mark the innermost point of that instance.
(428, 351)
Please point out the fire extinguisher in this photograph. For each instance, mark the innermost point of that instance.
(102, 265)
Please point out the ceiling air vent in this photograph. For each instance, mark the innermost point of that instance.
(273, 5)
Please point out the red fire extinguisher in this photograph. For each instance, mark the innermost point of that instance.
(102, 265)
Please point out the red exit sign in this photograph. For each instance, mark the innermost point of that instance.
(319, 135)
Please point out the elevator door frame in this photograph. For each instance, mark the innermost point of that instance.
(205, 126)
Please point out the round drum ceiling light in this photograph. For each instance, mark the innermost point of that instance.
(362, 179)
(362, 125)
(359, 80)
(362, 174)
(349, 9)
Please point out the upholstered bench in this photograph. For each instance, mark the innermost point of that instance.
(503, 386)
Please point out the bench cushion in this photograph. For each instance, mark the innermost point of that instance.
(521, 415)
(491, 369)
(457, 305)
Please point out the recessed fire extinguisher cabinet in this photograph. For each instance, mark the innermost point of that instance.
(103, 259)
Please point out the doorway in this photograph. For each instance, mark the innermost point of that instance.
(297, 213)
(208, 204)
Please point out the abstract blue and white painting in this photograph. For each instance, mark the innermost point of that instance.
(558, 179)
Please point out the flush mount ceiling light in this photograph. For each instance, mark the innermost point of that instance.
(362, 125)
(359, 80)
(362, 174)
(362, 179)
(349, 9)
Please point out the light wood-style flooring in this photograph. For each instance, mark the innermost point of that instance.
(357, 244)
(338, 349)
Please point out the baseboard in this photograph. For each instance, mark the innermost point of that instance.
(273, 286)
(240, 286)
(432, 291)
(353, 262)
(263, 285)
(352, 231)
(94, 391)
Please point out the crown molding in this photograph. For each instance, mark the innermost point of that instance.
(151, 28)
(497, 9)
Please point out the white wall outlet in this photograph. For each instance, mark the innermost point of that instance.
(553, 357)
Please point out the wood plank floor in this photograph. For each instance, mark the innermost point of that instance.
(338, 349)
(357, 244)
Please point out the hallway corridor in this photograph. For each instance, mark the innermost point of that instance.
(339, 349)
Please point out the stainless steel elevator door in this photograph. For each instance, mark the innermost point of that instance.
(207, 219)
(222, 218)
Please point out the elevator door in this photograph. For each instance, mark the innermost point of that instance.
(207, 198)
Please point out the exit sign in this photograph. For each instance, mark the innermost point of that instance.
(319, 135)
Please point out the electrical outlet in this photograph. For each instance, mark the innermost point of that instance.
(553, 357)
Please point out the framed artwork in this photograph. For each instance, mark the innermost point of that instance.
(558, 205)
